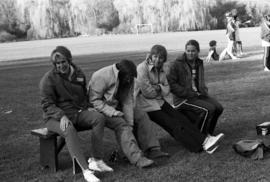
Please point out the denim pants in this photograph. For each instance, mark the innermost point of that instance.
(179, 127)
(143, 130)
(85, 120)
(194, 109)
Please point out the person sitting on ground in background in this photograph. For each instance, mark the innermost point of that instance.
(265, 36)
(190, 94)
(212, 54)
(230, 34)
(111, 93)
(151, 90)
(66, 110)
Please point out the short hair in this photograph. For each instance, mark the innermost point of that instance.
(65, 52)
(194, 43)
(127, 67)
(159, 50)
(212, 43)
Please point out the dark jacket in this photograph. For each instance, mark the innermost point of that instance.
(59, 96)
(180, 80)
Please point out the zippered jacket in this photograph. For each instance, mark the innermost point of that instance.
(147, 98)
(180, 80)
(103, 88)
(60, 97)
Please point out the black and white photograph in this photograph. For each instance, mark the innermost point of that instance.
(134, 90)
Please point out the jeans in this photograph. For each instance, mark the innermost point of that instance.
(85, 120)
(143, 131)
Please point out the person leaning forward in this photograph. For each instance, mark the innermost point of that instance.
(66, 110)
(111, 93)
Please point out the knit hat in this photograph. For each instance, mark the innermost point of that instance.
(61, 51)
(195, 43)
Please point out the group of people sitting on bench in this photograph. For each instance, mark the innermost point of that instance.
(129, 99)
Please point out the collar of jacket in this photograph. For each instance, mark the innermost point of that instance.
(115, 71)
(183, 59)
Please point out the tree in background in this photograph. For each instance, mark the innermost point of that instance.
(41, 19)
(10, 26)
(106, 15)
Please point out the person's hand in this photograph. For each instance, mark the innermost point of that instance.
(64, 122)
(118, 113)
(157, 87)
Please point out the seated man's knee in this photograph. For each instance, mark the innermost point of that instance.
(98, 119)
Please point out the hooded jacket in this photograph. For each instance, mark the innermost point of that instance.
(60, 96)
(180, 80)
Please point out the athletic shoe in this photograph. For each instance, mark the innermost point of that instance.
(89, 176)
(98, 165)
(156, 153)
(144, 162)
(213, 150)
(211, 142)
(266, 69)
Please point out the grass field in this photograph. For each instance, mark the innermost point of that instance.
(241, 86)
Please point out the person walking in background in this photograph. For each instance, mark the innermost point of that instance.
(151, 91)
(190, 94)
(230, 34)
(111, 93)
(212, 54)
(66, 110)
(265, 36)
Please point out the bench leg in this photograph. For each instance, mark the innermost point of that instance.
(48, 153)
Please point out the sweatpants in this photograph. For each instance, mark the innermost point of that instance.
(204, 111)
(179, 127)
(85, 120)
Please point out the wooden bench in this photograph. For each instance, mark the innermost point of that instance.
(51, 144)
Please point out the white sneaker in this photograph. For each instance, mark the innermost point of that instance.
(211, 142)
(213, 150)
(266, 69)
(89, 176)
(98, 165)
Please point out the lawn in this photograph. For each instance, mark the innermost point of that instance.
(241, 86)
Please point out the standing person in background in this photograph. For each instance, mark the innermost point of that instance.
(151, 91)
(238, 43)
(111, 91)
(190, 94)
(66, 110)
(230, 34)
(265, 36)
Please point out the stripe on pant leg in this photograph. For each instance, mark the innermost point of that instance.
(199, 107)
